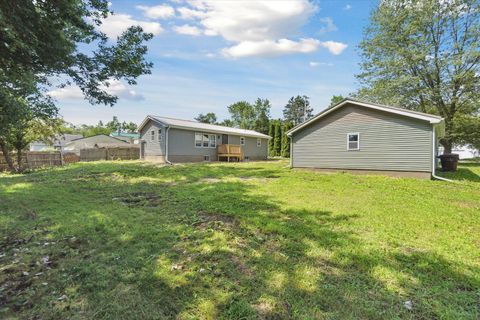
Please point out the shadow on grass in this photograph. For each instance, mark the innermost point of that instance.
(468, 171)
(205, 243)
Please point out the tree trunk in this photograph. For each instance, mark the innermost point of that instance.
(7, 156)
(19, 160)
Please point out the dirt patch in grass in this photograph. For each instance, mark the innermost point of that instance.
(215, 221)
(139, 199)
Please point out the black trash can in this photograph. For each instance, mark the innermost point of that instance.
(449, 161)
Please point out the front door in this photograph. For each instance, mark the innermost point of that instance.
(224, 138)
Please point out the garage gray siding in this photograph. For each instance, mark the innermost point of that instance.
(387, 142)
(154, 147)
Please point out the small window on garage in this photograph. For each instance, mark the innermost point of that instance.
(152, 137)
(242, 141)
(259, 142)
(159, 134)
(353, 141)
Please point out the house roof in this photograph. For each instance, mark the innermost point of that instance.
(194, 125)
(117, 134)
(98, 135)
(433, 119)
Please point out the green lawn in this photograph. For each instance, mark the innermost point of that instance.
(113, 240)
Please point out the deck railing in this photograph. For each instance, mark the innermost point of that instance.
(229, 151)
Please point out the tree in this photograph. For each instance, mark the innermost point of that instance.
(207, 118)
(286, 140)
(277, 138)
(271, 133)
(424, 56)
(227, 123)
(297, 110)
(129, 127)
(261, 110)
(44, 40)
(242, 115)
(467, 129)
(114, 125)
(336, 100)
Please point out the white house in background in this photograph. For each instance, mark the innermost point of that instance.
(58, 143)
(466, 152)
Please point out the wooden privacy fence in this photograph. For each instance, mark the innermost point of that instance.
(116, 153)
(34, 159)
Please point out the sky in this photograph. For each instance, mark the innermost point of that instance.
(208, 54)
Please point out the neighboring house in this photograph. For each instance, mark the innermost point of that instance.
(97, 141)
(58, 143)
(465, 152)
(174, 140)
(360, 136)
(133, 138)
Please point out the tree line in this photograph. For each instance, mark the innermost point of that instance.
(256, 116)
(100, 128)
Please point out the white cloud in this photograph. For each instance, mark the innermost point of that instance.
(271, 48)
(328, 26)
(347, 7)
(335, 48)
(115, 24)
(115, 87)
(263, 28)
(314, 64)
(157, 12)
(187, 30)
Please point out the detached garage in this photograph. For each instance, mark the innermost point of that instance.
(368, 138)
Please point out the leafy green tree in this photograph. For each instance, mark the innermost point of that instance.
(242, 115)
(130, 127)
(44, 40)
(271, 133)
(277, 138)
(467, 129)
(286, 140)
(336, 100)
(261, 110)
(209, 117)
(297, 110)
(424, 56)
(227, 123)
(114, 125)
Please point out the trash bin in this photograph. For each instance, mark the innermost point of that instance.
(449, 161)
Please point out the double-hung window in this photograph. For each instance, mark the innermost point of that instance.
(259, 142)
(205, 140)
(159, 134)
(353, 141)
(152, 135)
(242, 141)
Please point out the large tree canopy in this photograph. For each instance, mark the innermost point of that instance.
(57, 42)
(425, 56)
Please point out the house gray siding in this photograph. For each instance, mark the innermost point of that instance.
(387, 142)
(181, 145)
(154, 147)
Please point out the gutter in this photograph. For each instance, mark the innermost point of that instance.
(434, 156)
(166, 146)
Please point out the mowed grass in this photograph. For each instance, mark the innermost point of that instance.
(128, 240)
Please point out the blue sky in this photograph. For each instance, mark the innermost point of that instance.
(208, 54)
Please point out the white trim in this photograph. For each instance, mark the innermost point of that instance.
(431, 119)
(229, 132)
(348, 141)
(242, 137)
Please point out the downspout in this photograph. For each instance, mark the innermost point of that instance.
(434, 156)
(166, 146)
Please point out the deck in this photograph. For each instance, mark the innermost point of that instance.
(230, 151)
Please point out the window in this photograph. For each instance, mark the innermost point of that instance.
(213, 141)
(206, 158)
(353, 141)
(198, 140)
(152, 135)
(242, 141)
(259, 142)
(205, 140)
(159, 134)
